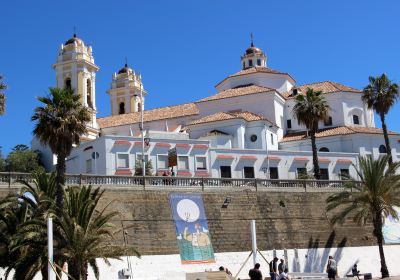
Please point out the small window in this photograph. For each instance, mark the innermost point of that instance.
(273, 173)
(328, 121)
(201, 163)
(289, 124)
(272, 139)
(344, 174)
(253, 138)
(122, 160)
(324, 173)
(183, 163)
(248, 172)
(382, 149)
(88, 166)
(324, 149)
(250, 63)
(244, 65)
(121, 108)
(139, 107)
(226, 172)
(356, 119)
(301, 172)
(68, 83)
(162, 162)
(258, 62)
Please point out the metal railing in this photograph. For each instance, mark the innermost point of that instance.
(12, 179)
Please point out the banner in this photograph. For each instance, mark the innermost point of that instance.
(193, 237)
(391, 229)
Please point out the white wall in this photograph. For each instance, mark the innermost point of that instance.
(169, 267)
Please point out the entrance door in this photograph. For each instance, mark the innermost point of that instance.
(226, 172)
(248, 172)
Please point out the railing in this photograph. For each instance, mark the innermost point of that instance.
(13, 179)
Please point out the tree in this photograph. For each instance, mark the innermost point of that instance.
(2, 162)
(59, 124)
(22, 159)
(371, 199)
(3, 87)
(87, 232)
(309, 110)
(381, 94)
(148, 168)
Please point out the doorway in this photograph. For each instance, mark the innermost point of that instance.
(226, 172)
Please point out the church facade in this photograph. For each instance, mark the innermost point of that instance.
(245, 130)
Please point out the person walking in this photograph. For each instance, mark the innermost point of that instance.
(273, 272)
(331, 268)
(255, 273)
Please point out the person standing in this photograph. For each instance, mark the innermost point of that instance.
(255, 273)
(282, 266)
(331, 268)
(273, 272)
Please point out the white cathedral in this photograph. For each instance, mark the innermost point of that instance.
(245, 130)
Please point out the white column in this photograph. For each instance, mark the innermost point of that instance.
(254, 240)
(51, 274)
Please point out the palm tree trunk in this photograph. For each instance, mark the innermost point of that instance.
(379, 237)
(73, 270)
(60, 179)
(385, 135)
(315, 156)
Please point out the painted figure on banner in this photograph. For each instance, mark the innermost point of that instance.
(391, 229)
(193, 236)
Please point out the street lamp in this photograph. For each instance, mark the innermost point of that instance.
(142, 129)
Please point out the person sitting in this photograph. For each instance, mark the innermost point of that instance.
(355, 271)
(283, 276)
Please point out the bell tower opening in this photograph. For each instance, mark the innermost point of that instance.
(122, 108)
(67, 83)
(89, 93)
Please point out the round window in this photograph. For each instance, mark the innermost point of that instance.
(253, 138)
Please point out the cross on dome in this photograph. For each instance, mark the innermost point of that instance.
(253, 56)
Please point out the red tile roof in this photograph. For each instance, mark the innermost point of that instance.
(257, 69)
(224, 157)
(238, 91)
(122, 142)
(168, 112)
(344, 161)
(334, 131)
(301, 159)
(123, 172)
(273, 158)
(325, 87)
(248, 158)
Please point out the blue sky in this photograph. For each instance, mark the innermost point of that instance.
(183, 48)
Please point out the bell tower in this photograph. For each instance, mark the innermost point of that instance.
(75, 68)
(253, 57)
(127, 94)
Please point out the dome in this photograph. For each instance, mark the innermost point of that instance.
(74, 39)
(253, 50)
(125, 69)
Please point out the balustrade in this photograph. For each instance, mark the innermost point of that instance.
(13, 179)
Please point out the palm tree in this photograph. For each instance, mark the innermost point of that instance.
(3, 86)
(60, 124)
(373, 198)
(309, 110)
(86, 232)
(381, 94)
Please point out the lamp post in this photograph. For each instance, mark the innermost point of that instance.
(141, 108)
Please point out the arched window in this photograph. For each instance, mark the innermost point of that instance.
(68, 83)
(356, 119)
(139, 107)
(250, 63)
(89, 93)
(382, 149)
(121, 108)
(324, 149)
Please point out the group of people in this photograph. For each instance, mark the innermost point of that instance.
(277, 271)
